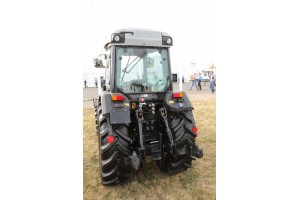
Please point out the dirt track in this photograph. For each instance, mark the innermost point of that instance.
(205, 93)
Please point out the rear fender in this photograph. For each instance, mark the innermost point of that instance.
(119, 111)
(172, 104)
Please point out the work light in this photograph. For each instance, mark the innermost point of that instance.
(169, 41)
(117, 38)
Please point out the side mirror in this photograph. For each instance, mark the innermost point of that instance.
(98, 63)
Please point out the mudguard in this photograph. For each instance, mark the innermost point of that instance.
(177, 105)
(119, 111)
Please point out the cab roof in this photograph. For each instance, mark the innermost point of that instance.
(139, 37)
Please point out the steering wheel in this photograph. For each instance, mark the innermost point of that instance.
(126, 85)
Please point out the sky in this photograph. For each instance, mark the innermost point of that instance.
(189, 23)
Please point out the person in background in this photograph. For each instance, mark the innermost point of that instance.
(85, 82)
(96, 82)
(212, 82)
(101, 81)
(199, 81)
(194, 81)
(182, 79)
(215, 80)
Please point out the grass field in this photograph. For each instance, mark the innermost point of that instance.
(199, 182)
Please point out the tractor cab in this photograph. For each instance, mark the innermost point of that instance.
(137, 61)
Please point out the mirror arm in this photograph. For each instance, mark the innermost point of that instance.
(105, 56)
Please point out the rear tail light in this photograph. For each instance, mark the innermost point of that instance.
(195, 130)
(117, 97)
(110, 139)
(177, 95)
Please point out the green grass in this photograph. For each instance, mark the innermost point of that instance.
(199, 182)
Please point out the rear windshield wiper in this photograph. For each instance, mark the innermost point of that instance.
(140, 57)
(124, 70)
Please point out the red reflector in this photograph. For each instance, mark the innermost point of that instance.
(117, 97)
(194, 129)
(177, 95)
(110, 139)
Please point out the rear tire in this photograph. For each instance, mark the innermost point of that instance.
(181, 125)
(112, 155)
